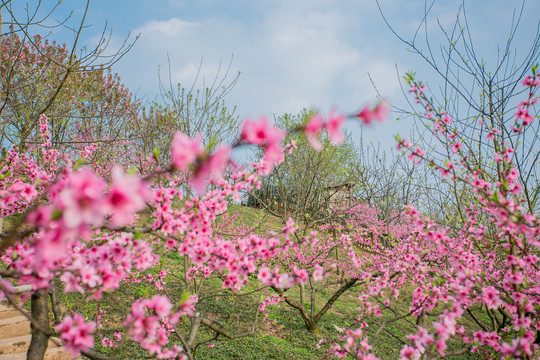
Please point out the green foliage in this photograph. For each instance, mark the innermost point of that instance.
(298, 187)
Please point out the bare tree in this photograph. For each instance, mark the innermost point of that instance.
(480, 96)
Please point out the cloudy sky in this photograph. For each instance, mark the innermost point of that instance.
(292, 54)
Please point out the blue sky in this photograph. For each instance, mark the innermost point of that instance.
(291, 54)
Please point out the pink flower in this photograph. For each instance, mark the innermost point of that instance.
(379, 113)
(82, 200)
(219, 160)
(523, 113)
(265, 275)
(215, 165)
(510, 350)
(490, 297)
(273, 154)
(283, 281)
(77, 335)
(188, 306)
(456, 147)
(41, 216)
(257, 132)
(318, 273)
(528, 81)
(441, 346)
(184, 150)
(333, 126)
(444, 172)
(289, 227)
(409, 353)
(313, 130)
(27, 191)
(289, 148)
(161, 305)
(515, 278)
(447, 120)
(261, 133)
(521, 322)
(302, 275)
(71, 282)
(127, 196)
(89, 276)
(403, 144)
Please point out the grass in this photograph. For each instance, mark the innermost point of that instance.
(259, 219)
(262, 347)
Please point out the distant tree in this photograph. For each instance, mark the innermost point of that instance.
(386, 182)
(90, 105)
(196, 112)
(302, 186)
(81, 98)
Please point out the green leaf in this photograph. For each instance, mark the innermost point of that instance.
(5, 175)
(185, 296)
(79, 163)
(56, 214)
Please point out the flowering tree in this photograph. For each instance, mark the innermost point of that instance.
(80, 227)
(70, 85)
(83, 105)
(472, 86)
(338, 257)
(476, 284)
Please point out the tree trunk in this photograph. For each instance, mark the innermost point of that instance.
(313, 328)
(54, 302)
(40, 315)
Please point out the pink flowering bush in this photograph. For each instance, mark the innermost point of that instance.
(76, 334)
(79, 226)
(472, 287)
(337, 256)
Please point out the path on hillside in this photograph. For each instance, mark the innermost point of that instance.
(15, 335)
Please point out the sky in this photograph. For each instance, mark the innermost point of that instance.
(290, 54)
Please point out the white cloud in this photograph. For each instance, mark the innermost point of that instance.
(170, 28)
(292, 55)
(296, 56)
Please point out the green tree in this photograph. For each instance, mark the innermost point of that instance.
(303, 185)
